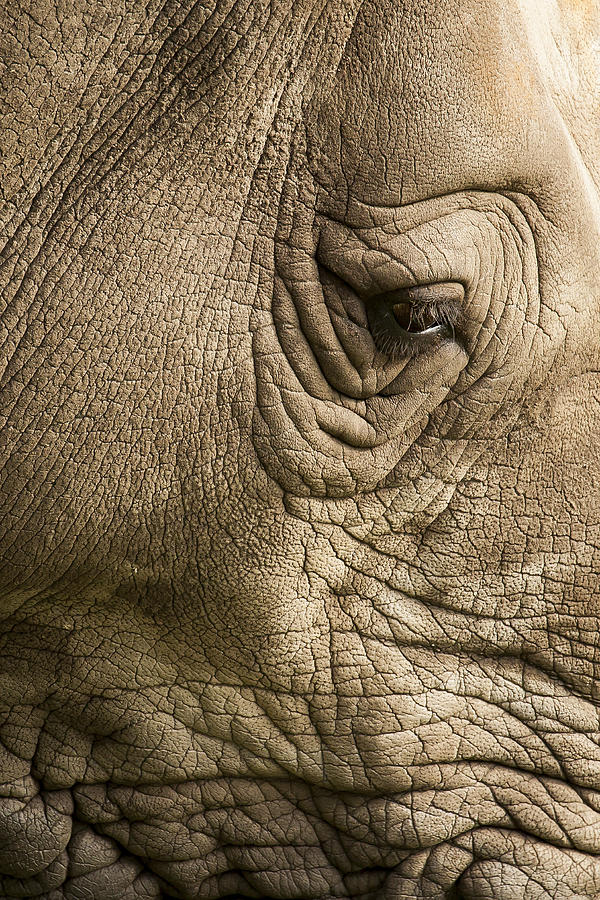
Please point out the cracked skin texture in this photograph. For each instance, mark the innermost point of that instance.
(283, 617)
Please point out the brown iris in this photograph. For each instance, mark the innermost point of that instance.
(406, 318)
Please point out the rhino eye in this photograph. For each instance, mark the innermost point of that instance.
(414, 320)
(409, 320)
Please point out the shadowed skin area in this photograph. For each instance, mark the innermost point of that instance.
(300, 400)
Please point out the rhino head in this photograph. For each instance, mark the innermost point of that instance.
(300, 531)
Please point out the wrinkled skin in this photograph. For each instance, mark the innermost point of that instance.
(285, 615)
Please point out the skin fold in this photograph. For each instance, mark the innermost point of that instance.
(289, 611)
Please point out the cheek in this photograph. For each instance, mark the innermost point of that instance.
(123, 363)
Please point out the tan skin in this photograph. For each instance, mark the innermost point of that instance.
(300, 534)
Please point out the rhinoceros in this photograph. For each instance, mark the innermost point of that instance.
(300, 398)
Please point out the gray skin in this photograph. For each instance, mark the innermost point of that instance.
(288, 613)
